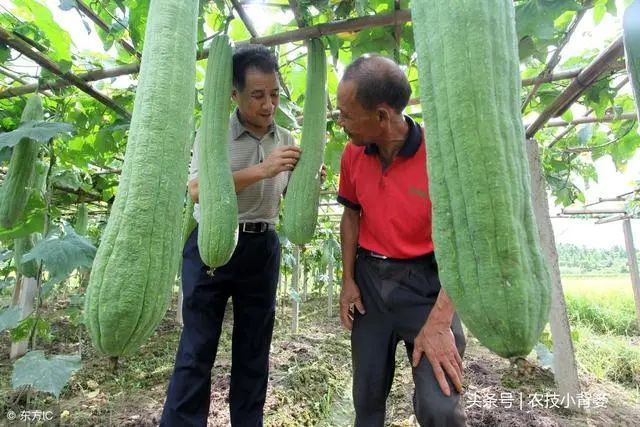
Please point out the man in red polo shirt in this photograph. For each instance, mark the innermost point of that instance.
(390, 287)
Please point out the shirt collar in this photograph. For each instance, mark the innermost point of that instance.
(238, 129)
(411, 143)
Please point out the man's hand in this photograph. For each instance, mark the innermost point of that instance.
(281, 159)
(436, 341)
(323, 173)
(349, 299)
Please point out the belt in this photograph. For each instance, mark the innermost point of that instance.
(255, 227)
(372, 254)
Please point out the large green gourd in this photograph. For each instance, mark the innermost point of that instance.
(631, 37)
(81, 219)
(484, 229)
(218, 227)
(23, 245)
(14, 195)
(136, 262)
(303, 191)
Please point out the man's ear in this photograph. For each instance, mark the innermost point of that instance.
(383, 115)
(234, 94)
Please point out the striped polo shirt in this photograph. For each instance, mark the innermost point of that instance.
(259, 202)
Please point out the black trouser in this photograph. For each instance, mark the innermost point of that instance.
(250, 279)
(398, 297)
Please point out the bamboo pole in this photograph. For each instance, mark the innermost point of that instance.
(633, 263)
(579, 84)
(86, 10)
(21, 46)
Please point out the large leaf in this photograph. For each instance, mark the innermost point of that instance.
(59, 40)
(48, 375)
(536, 17)
(37, 131)
(31, 222)
(62, 254)
(9, 317)
(138, 11)
(67, 178)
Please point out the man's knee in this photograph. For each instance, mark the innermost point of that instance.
(440, 411)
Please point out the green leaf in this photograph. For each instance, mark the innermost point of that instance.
(31, 222)
(67, 4)
(567, 116)
(599, 10)
(37, 131)
(138, 12)
(47, 375)
(584, 134)
(61, 254)
(238, 31)
(285, 116)
(9, 317)
(361, 6)
(545, 357)
(5, 53)
(67, 178)
(627, 144)
(536, 17)
(58, 39)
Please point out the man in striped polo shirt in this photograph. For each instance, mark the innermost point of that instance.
(262, 156)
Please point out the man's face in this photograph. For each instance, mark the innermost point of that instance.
(258, 100)
(361, 125)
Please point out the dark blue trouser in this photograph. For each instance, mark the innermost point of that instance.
(250, 278)
(398, 297)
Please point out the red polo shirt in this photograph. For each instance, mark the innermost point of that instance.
(394, 204)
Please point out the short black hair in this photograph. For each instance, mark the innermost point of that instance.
(379, 80)
(252, 56)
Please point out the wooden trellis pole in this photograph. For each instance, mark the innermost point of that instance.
(295, 280)
(633, 262)
(564, 362)
(24, 296)
(330, 271)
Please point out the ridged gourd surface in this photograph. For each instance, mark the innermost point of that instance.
(218, 227)
(303, 192)
(14, 194)
(136, 262)
(484, 230)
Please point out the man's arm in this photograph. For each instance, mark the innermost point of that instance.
(283, 158)
(350, 294)
(437, 342)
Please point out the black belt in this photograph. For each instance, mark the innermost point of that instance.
(255, 227)
(366, 252)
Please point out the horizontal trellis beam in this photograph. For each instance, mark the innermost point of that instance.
(21, 46)
(567, 74)
(354, 24)
(90, 76)
(128, 69)
(588, 211)
(579, 84)
(329, 28)
(584, 120)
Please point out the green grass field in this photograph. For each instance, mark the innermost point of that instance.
(604, 326)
